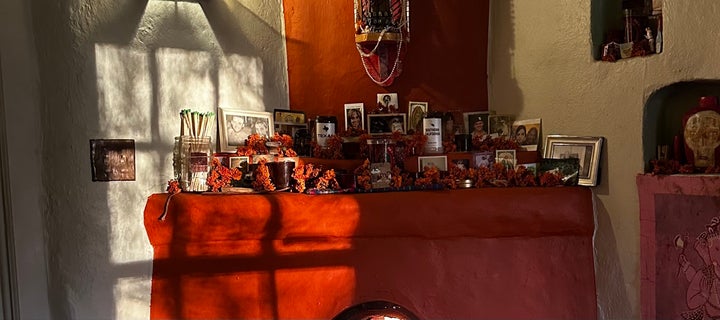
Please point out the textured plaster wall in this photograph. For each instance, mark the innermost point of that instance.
(82, 70)
(541, 66)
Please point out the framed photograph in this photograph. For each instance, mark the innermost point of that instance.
(237, 125)
(440, 162)
(527, 133)
(499, 125)
(507, 158)
(483, 159)
(463, 164)
(112, 159)
(240, 162)
(282, 116)
(476, 123)
(416, 113)
(387, 102)
(354, 116)
(585, 149)
(380, 124)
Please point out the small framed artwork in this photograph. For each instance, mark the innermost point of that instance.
(282, 116)
(476, 123)
(462, 164)
(112, 159)
(483, 159)
(240, 162)
(527, 133)
(387, 102)
(354, 116)
(380, 124)
(499, 125)
(237, 125)
(585, 149)
(506, 157)
(416, 113)
(440, 162)
(532, 167)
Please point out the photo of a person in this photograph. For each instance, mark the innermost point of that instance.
(520, 135)
(505, 157)
(484, 159)
(532, 136)
(449, 127)
(237, 130)
(261, 127)
(476, 123)
(500, 125)
(416, 113)
(387, 102)
(439, 162)
(397, 125)
(379, 124)
(354, 120)
(580, 152)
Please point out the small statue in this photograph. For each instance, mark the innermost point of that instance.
(650, 38)
(701, 128)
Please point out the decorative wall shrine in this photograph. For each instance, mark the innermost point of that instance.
(382, 29)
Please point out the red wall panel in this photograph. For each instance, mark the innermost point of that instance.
(445, 65)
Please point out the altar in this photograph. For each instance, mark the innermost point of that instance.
(520, 253)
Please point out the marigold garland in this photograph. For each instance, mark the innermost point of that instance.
(333, 150)
(486, 143)
(430, 176)
(262, 177)
(362, 174)
(302, 175)
(254, 144)
(286, 145)
(550, 179)
(327, 181)
(221, 176)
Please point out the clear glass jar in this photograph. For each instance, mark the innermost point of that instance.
(381, 162)
(191, 162)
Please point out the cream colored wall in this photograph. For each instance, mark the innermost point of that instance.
(541, 66)
(75, 70)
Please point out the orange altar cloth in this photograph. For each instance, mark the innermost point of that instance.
(521, 253)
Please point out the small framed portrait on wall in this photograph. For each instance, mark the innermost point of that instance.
(380, 124)
(354, 116)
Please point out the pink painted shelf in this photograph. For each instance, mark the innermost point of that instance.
(673, 207)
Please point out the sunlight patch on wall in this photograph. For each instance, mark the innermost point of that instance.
(126, 222)
(241, 83)
(131, 298)
(124, 91)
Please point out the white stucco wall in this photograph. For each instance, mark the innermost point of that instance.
(105, 69)
(541, 66)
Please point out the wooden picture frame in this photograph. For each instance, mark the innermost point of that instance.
(352, 112)
(386, 123)
(236, 125)
(586, 149)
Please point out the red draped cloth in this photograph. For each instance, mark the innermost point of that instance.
(510, 253)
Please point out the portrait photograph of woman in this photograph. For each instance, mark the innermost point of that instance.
(354, 116)
(527, 133)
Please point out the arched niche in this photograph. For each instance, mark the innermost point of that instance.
(664, 110)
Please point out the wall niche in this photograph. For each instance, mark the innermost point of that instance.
(663, 114)
(624, 29)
